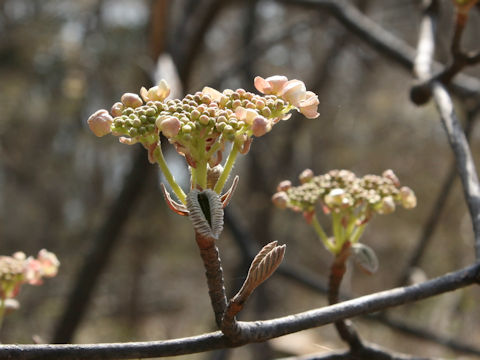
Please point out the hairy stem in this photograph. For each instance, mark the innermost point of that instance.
(158, 155)
(214, 274)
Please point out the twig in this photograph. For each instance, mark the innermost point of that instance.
(383, 41)
(306, 279)
(257, 331)
(463, 157)
(436, 210)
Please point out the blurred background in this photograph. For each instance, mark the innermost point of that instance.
(130, 267)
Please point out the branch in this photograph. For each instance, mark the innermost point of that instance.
(383, 41)
(243, 240)
(463, 157)
(259, 331)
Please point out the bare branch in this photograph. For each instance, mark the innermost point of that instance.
(383, 41)
(257, 331)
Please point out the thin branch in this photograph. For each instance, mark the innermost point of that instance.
(384, 42)
(258, 331)
(463, 156)
(312, 282)
(436, 211)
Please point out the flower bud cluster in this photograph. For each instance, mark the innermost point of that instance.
(342, 191)
(198, 125)
(17, 269)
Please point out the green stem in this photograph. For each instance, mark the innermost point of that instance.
(158, 155)
(201, 174)
(215, 147)
(228, 168)
(321, 233)
(357, 233)
(2, 311)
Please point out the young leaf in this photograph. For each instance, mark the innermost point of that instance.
(365, 257)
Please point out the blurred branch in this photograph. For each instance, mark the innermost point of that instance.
(455, 133)
(242, 238)
(368, 351)
(258, 330)
(436, 211)
(383, 41)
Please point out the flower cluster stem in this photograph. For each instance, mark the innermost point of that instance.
(344, 327)
(2, 311)
(227, 169)
(321, 233)
(160, 159)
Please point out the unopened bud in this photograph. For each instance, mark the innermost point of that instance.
(389, 174)
(100, 123)
(409, 200)
(306, 176)
(260, 126)
(284, 185)
(338, 197)
(131, 100)
(387, 206)
(170, 126)
(117, 109)
(280, 199)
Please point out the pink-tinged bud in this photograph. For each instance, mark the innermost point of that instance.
(389, 174)
(100, 123)
(117, 109)
(280, 199)
(156, 93)
(131, 100)
(387, 206)
(260, 126)
(270, 85)
(309, 106)
(409, 200)
(49, 263)
(338, 197)
(293, 92)
(214, 94)
(284, 185)
(306, 176)
(33, 271)
(170, 126)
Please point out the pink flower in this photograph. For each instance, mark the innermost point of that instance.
(156, 93)
(271, 85)
(214, 94)
(308, 106)
(246, 115)
(100, 123)
(294, 91)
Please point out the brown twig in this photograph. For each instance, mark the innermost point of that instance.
(257, 331)
(344, 327)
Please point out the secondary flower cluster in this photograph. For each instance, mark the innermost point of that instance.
(341, 190)
(350, 200)
(200, 124)
(17, 269)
